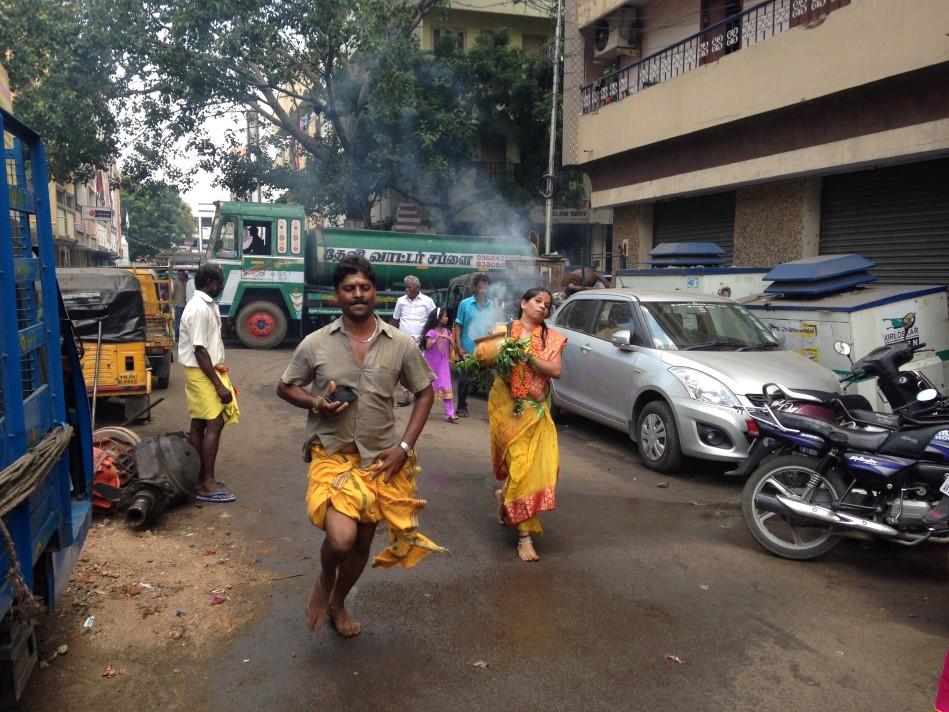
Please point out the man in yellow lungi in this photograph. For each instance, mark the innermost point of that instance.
(360, 473)
(212, 400)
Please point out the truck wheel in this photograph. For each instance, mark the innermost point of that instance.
(261, 325)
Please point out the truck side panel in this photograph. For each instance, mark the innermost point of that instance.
(52, 520)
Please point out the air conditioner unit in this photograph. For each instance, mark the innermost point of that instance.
(618, 34)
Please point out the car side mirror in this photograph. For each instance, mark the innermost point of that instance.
(622, 340)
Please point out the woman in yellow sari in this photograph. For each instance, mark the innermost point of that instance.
(524, 449)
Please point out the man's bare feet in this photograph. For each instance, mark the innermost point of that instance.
(344, 624)
(317, 607)
(499, 496)
(525, 549)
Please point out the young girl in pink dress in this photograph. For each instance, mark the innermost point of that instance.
(437, 347)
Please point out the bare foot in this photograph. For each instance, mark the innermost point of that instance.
(499, 496)
(525, 549)
(345, 626)
(317, 607)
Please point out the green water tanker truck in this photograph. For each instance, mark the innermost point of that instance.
(278, 276)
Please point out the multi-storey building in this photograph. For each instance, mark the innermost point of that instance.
(779, 129)
(86, 219)
(81, 238)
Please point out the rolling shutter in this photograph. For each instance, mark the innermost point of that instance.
(708, 218)
(896, 216)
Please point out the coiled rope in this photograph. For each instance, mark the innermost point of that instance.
(19, 480)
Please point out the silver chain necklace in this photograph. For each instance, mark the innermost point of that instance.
(363, 341)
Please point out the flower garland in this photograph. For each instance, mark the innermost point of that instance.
(522, 374)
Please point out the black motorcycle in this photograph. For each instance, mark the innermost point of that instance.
(875, 473)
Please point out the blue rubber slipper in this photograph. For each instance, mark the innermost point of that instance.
(222, 497)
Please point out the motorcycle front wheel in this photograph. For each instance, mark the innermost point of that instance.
(791, 537)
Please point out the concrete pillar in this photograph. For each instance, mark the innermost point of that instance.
(777, 222)
(811, 196)
(632, 234)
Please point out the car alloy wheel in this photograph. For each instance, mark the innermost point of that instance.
(652, 435)
(658, 437)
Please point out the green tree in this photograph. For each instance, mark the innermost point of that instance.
(280, 60)
(157, 218)
(62, 68)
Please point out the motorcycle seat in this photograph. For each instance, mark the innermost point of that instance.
(853, 438)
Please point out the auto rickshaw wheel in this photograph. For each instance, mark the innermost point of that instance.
(261, 325)
(161, 371)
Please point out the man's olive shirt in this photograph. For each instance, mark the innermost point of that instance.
(325, 355)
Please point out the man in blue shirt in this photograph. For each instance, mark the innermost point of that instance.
(476, 317)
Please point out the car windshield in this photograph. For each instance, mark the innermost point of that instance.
(710, 326)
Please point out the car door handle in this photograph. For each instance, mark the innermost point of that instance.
(586, 347)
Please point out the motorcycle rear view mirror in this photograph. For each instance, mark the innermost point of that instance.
(842, 348)
(926, 395)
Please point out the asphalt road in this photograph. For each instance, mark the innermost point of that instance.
(631, 572)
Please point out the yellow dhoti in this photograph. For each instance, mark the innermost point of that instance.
(338, 480)
(203, 401)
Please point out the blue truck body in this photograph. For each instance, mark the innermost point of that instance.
(41, 388)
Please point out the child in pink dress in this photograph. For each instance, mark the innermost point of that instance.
(437, 347)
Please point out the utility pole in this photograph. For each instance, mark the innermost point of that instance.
(550, 181)
(253, 139)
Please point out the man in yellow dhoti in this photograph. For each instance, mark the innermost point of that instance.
(360, 472)
(212, 400)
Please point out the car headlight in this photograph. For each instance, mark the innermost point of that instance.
(702, 387)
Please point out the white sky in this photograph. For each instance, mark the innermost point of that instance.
(202, 189)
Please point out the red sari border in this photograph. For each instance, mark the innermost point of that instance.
(520, 510)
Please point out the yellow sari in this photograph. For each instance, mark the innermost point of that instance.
(524, 449)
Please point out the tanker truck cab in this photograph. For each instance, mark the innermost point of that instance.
(259, 247)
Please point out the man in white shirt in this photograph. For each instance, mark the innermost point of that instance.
(410, 314)
(212, 400)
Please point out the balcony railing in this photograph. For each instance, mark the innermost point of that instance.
(745, 29)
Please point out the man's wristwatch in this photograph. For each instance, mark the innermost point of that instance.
(409, 452)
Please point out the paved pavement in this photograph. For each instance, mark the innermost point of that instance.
(631, 572)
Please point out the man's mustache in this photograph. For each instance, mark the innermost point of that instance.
(359, 301)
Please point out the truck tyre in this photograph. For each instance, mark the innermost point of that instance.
(261, 325)
(658, 438)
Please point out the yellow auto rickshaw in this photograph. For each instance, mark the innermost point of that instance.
(159, 321)
(106, 308)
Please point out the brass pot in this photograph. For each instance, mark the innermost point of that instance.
(488, 347)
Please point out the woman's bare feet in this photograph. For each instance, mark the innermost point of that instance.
(499, 496)
(525, 549)
(317, 607)
(344, 624)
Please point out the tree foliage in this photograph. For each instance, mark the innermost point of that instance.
(157, 218)
(390, 115)
(62, 66)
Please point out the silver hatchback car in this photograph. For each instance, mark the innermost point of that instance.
(673, 370)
